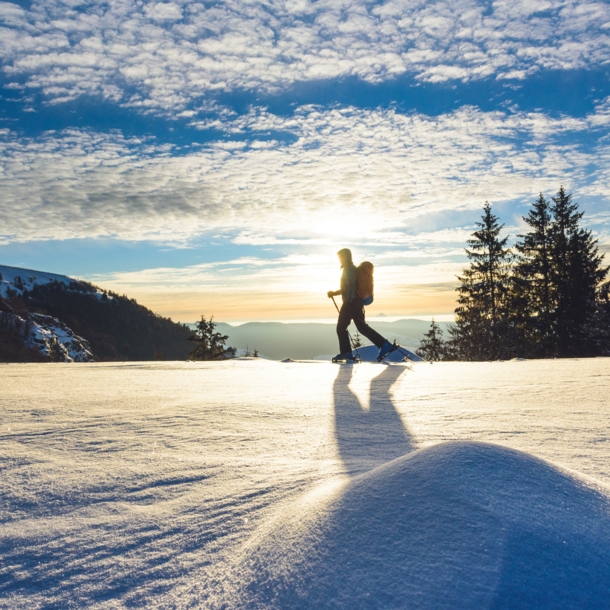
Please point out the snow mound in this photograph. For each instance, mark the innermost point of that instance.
(369, 353)
(456, 525)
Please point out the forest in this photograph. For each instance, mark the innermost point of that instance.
(116, 327)
(544, 297)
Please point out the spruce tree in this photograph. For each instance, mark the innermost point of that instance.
(209, 344)
(481, 329)
(532, 299)
(432, 346)
(576, 274)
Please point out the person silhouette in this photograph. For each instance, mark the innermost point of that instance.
(353, 309)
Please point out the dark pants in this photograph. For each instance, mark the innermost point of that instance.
(355, 311)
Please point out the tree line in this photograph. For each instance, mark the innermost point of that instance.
(546, 297)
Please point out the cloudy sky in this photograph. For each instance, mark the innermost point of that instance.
(211, 157)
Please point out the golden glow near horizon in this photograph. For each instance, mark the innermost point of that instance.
(289, 288)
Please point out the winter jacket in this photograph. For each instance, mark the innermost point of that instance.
(348, 283)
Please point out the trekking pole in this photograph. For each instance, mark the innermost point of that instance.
(351, 341)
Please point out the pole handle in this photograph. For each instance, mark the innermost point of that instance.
(335, 302)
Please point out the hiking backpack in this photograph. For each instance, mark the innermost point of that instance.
(364, 282)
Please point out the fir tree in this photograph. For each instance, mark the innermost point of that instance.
(432, 346)
(209, 344)
(357, 340)
(576, 274)
(533, 295)
(481, 315)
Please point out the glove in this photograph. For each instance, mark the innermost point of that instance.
(330, 294)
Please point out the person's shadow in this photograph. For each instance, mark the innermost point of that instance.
(368, 438)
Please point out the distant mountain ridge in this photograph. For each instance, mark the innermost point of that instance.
(51, 317)
(278, 340)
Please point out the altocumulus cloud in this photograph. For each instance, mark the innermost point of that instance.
(162, 56)
(379, 168)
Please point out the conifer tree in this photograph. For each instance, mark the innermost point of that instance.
(481, 316)
(576, 273)
(532, 299)
(432, 346)
(209, 344)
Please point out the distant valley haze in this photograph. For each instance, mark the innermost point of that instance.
(277, 340)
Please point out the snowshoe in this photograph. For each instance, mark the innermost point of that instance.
(386, 349)
(344, 359)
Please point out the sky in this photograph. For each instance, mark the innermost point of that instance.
(212, 157)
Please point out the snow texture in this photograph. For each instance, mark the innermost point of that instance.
(259, 484)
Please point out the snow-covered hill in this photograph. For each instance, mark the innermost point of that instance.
(47, 335)
(14, 280)
(257, 484)
(80, 322)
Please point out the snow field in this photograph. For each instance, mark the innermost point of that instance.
(199, 484)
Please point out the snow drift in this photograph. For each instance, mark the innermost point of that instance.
(369, 353)
(456, 525)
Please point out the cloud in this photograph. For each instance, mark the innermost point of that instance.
(172, 53)
(347, 174)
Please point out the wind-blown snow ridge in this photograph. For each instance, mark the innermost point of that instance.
(456, 525)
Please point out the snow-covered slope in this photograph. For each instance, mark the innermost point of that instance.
(46, 334)
(195, 485)
(16, 279)
(456, 525)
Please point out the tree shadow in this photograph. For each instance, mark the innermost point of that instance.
(368, 438)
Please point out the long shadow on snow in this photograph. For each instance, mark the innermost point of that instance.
(368, 438)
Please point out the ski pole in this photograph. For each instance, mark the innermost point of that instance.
(351, 341)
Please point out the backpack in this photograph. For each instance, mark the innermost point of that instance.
(364, 282)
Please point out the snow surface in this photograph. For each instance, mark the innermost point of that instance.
(250, 484)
